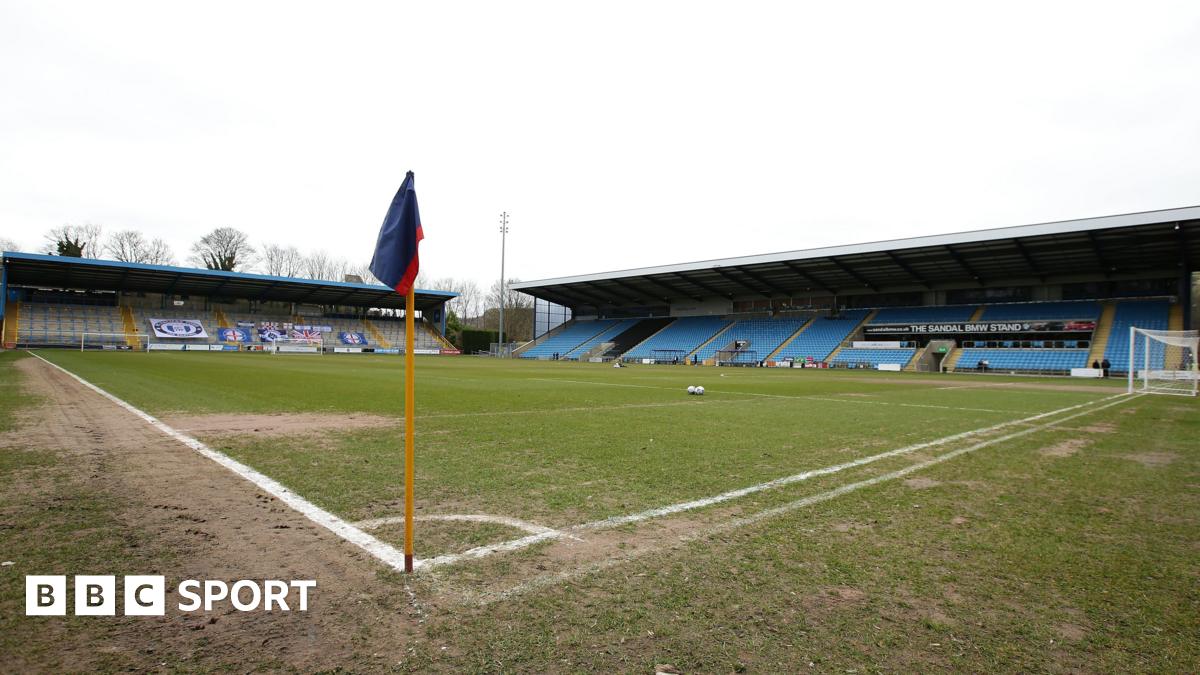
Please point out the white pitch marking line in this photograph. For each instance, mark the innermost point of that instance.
(783, 396)
(547, 580)
(516, 523)
(382, 551)
(617, 521)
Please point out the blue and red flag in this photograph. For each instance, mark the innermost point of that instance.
(395, 262)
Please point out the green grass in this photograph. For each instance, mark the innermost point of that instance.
(1014, 557)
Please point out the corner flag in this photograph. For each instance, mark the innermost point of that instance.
(395, 262)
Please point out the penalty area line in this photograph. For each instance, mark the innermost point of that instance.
(617, 521)
(382, 551)
(543, 581)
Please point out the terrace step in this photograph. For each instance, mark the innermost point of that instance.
(376, 334)
(850, 336)
(1102, 332)
(791, 337)
(130, 326)
(12, 320)
(705, 343)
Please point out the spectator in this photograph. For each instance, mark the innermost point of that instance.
(1095, 365)
(1105, 365)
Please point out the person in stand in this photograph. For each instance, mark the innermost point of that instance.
(1095, 365)
(984, 365)
(1105, 365)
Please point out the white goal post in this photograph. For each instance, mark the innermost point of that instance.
(1163, 361)
(135, 342)
(296, 346)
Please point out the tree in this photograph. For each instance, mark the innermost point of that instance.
(158, 252)
(319, 265)
(282, 261)
(9, 245)
(131, 246)
(225, 248)
(76, 241)
(518, 312)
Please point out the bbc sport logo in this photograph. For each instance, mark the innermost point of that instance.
(146, 595)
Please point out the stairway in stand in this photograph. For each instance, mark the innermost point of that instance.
(1103, 330)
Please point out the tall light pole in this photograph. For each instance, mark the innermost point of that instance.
(503, 282)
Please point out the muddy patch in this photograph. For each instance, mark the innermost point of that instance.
(833, 597)
(1065, 448)
(1071, 631)
(1153, 459)
(284, 424)
(211, 524)
(1100, 428)
(921, 483)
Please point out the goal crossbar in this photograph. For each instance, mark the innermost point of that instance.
(1166, 363)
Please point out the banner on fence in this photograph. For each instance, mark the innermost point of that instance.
(308, 335)
(1082, 326)
(245, 324)
(319, 329)
(269, 334)
(233, 335)
(178, 328)
(352, 338)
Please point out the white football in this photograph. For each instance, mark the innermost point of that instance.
(700, 391)
(691, 390)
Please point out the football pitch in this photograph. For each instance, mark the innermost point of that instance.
(579, 517)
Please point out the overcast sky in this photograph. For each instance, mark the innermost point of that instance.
(617, 134)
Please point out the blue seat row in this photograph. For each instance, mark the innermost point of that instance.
(682, 335)
(873, 357)
(761, 337)
(924, 314)
(822, 336)
(1020, 311)
(1044, 360)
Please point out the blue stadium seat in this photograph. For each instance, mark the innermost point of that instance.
(822, 336)
(924, 314)
(1148, 314)
(567, 339)
(608, 334)
(762, 336)
(1022, 311)
(683, 335)
(1026, 360)
(873, 357)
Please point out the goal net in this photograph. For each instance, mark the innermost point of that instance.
(1163, 361)
(295, 346)
(130, 342)
(737, 357)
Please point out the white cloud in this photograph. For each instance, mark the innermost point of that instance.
(617, 135)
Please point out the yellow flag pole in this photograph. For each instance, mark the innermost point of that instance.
(409, 394)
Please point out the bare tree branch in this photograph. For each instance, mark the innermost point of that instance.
(225, 248)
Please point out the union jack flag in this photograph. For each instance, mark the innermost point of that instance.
(310, 336)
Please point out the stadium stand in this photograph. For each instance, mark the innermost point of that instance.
(822, 336)
(1023, 360)
(64, 325)
(684, 335)
(391, 330)
(1020, 311)
(604, 336)
(873, 357)
(568, 338)
(761, 338)
(1149, 314)
(924, 314)
(629, 339)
